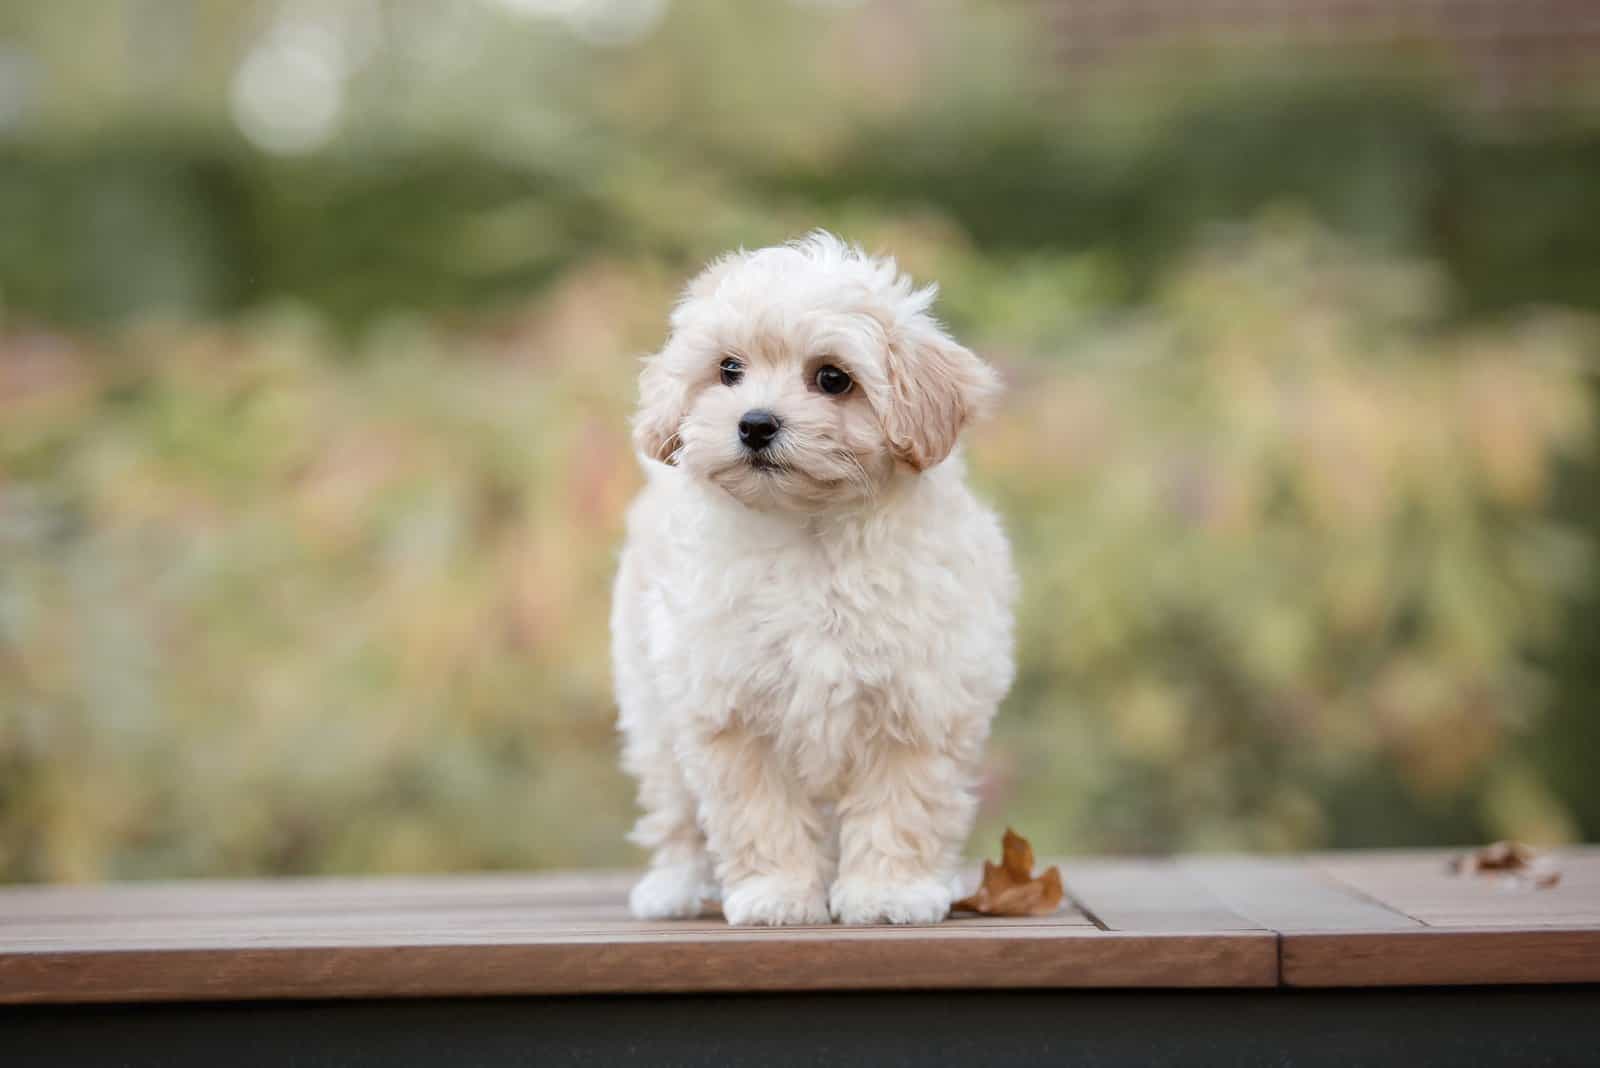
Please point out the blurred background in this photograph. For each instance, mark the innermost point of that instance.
(318, 334)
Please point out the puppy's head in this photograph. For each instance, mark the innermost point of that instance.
(805, 376)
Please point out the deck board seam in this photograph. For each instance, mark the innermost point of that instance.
(1083, 907)
(1333, 878)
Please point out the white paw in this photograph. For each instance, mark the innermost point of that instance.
(774, 900)
(680, 892)
(859, 900)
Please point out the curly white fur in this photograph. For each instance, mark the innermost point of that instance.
(808, 652)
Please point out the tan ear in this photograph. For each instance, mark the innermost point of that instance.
(935, 387)
(663, 402)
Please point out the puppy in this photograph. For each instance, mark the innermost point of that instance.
(812, 621)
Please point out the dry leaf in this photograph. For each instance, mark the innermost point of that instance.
(1010, 889)
(1513, 860)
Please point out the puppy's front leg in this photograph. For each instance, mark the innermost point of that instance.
(764, 832)
(901, 828)
(680, 878)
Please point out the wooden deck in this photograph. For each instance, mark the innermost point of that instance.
(1328, 920)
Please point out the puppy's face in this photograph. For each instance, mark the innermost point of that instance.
(803, 377)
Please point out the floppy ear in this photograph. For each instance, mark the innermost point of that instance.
(934, 387)
(663, 402)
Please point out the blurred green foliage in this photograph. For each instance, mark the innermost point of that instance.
(312, 466)
(1293, 532)
(92, 232)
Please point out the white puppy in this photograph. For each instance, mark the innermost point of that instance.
(812, 621)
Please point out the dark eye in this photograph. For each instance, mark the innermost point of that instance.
(832, 380)
(732, 371)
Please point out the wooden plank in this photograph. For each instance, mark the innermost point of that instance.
(525, 894)
(1431, 956)
(1422, 885)
(226, 897)
(1147, 895)
(398, 909)
(1285, 895)
(399, 928)
(532, 934)
(1471, 930)
(950, 956)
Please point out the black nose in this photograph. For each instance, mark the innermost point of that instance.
(757, 428)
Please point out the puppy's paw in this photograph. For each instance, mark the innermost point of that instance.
(860, 900)
(773, 901)
(679, 892)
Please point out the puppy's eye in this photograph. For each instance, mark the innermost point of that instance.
(732, 371)
(832, 380)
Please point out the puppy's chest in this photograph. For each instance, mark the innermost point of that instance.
(798, 630)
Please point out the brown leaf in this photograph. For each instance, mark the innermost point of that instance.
(1010, 888)
(1496, 856)
(1518, 862)
(1016, 856)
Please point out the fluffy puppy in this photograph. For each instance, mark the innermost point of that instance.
(812, 621)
